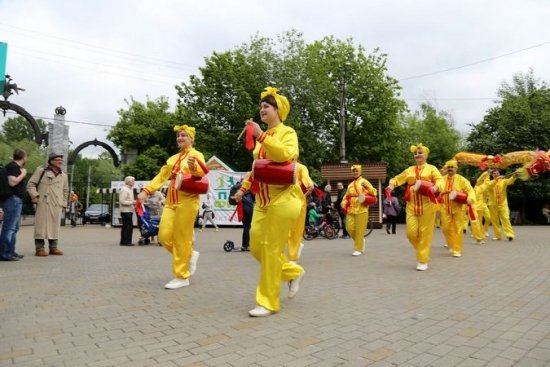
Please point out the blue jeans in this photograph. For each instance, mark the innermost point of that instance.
(12, 218)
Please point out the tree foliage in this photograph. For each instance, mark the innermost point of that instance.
(142, 126)
(17, 128)
(519, 121)
(433, 129)
(226, 93)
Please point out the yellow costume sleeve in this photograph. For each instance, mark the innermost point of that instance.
(282, 147)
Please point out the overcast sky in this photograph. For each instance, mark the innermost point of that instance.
(89, 56)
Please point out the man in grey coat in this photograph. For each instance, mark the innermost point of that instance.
(49, 190)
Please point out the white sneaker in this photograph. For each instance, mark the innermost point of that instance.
(421, 267)
(294, 285)
(193, 262)
(216, 230)
(356, 253)
(300, 250)
(260, 311)
(177, 283)
(457, 254)
(445, 245)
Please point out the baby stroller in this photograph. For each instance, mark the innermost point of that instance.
(147, 222)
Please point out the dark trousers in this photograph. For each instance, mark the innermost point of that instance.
(343, 220)
(127, 229)
(391, 223)
(247, 221)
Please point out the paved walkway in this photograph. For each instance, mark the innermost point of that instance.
(104, 305)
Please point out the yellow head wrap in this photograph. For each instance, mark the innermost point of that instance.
(188, 129)
(283, 106)
(420, 146)
(451, 164)
(357, 167)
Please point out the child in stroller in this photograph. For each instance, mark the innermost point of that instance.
(149, 217)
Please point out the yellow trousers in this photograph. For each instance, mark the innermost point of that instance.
(356, 225)
(477, 227)
(271, 226)
(453, 226)
(420, 232)
(503, 213)
(486, 217)
(296, 234)
(495, 221)
(176, 233)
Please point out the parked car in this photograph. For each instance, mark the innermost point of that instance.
(97, 213)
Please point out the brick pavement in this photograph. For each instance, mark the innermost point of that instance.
(104, 305)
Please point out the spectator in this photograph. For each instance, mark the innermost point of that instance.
(338, 206)
(208, 213)
(391, 211)
(49, 190)
(126, 204)
(74, 205)
(13, 205)
(546, 212)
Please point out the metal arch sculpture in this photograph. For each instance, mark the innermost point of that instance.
(9, 88)
(39, 137)
(95, 142)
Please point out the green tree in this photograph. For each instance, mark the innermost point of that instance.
(433, 129)
(18, 128)
(142, 126)
(519, 121)
(311, 75)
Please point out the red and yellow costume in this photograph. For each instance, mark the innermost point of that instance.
(180, 210)
(500, 213)
(480, 206)
(296, 233)
(420, 210)
(452, 212)
(276, 210)
(357, 214)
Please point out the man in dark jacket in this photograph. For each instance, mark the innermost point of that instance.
(13, 205)
(338, 205)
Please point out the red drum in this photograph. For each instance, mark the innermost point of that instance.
(462, 198)
(367, 199)
(274, 173)
(425, 188)
(192, 184)
(458, 196)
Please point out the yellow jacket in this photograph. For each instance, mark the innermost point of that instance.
(355, 188)
(279, 144)
(419, 204)
(458, 183)
(174, 165)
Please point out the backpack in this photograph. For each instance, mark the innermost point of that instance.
(5, 188)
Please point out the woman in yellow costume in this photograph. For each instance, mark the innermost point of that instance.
(500, 213)
(480, 185)
(180, 211)
(452, 213)
(420, 210)
(357, 214)
(277, 207)
(295, 245)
